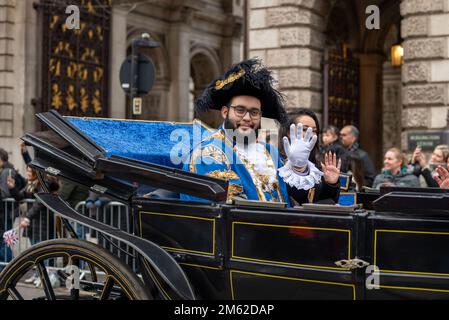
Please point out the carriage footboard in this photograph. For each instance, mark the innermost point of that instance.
(162, 262)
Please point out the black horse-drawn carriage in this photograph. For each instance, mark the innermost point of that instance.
(394, 244)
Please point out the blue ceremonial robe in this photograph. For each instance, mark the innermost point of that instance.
(216, 156)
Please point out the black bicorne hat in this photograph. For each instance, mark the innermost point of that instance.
(248, 78)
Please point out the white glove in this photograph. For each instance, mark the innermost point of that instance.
(298, 151)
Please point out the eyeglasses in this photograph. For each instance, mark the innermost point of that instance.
(241, 111)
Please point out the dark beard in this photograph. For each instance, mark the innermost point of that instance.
(228, 124)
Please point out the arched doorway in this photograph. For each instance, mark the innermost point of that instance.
(354, 85)
(205, 66)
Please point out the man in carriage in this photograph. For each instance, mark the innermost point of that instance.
(236, 152)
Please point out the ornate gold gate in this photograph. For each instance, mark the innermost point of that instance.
(76, 61)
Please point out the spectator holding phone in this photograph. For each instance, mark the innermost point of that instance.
(440, 156)
(7, 171)
(442, 178)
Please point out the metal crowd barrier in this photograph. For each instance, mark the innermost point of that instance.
(43, 227)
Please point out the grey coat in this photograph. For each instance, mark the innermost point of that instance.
(402, 179)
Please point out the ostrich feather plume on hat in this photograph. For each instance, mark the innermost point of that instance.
(248, 78)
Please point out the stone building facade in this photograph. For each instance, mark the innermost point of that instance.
(199, 40)
(425, 74)
(292, 35)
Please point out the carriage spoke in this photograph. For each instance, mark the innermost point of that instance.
(107, 288)
(14, 293)
(48, 289)
(75, 292)
(93, 273)
(75, 253)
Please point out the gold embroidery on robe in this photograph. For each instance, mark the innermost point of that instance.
(218, 135)
(215, 153)
(270, 164)
(211, 152)
(233, 189)
(225, 175)
(311, 195)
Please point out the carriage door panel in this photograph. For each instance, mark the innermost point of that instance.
(194, 234)
(290, 255)
(412, 255)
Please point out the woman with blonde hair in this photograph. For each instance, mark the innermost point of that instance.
(395, 172)
(439, 157)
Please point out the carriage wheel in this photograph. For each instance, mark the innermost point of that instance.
(105, 276)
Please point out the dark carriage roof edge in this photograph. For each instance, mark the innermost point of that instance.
(69, 132)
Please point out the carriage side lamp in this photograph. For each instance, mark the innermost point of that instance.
(397, 55)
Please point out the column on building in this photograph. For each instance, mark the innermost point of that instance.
(7, 27)
(232, 44)
(425, 77)
(179, 44)
(117, 56)
(18, 65)
(288, 36)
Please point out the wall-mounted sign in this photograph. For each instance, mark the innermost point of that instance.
(427, 140)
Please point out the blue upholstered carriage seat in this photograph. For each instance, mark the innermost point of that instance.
(149, 141)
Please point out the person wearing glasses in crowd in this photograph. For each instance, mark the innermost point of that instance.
(349, 137)
(235, 153)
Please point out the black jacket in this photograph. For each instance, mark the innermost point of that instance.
(427, 175)
(28, 193)
(367, 165)
(5, 170)
(41, 221)
(323, 192)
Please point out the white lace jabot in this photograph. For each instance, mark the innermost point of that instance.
(302, 182)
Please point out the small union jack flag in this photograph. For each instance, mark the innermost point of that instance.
(10, 237)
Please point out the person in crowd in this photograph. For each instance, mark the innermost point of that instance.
(439, 157)
(37, 210)
(327, 189)
(349, 137)
(25, 154)
(72, 193)
(7, 170)
(355, 168)
(442, 177)
(35, 216)
(395, 172)
(331, 143)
